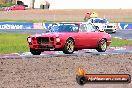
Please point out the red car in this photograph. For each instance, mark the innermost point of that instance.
(69, 37)
(16, 7)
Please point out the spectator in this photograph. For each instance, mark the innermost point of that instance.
(87, 16)
(93, 15)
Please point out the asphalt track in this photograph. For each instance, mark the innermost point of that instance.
(125, 34)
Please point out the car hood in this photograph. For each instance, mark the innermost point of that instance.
(104, 24)
(53, 34)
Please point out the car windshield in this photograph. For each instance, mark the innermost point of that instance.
(100, 21)
(64, 27)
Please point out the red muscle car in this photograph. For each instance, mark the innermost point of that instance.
(16, 7)
(69, 37)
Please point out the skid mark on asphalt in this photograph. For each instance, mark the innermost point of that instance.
(111, 50)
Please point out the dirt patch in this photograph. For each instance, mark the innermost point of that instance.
(60, 72)
(114, 15)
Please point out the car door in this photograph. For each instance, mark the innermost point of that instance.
(21, 7)
(82, 37)
(14, 7)
(17, 7)
(92, 36)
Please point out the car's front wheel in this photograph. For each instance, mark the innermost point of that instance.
(114, 31)
(69, 46)
(35, 52)
(102, 45)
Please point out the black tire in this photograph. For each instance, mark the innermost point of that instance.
(35, 52)
(69, 46)
(102, 45)
(81, 80)
(97, 27)
(114, 31)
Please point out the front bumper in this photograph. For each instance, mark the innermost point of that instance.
(46, 46)
(44, 43)
(109, 30)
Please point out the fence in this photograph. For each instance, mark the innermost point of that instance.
(45, 25)
(15, 25)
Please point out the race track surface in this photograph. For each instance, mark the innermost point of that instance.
(125, 34)
(110, 50)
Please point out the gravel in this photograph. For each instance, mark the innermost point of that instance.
(60, 72)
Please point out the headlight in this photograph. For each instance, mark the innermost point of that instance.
(57, 39)
(105, 26)
(29, 39)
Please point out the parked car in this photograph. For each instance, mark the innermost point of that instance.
(16, 7)
(69, 37)
(103, 25)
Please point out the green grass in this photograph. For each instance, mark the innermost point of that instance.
(12, 43)
(17, 43)
(116, 42)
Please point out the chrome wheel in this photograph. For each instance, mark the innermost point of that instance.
(69, 46)
(102, 46)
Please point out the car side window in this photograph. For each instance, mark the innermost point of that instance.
(91, 20)
(83, 28)
(90, 28)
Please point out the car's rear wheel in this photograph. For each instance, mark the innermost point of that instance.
(35, 52)
(69, 46)
(102, 45)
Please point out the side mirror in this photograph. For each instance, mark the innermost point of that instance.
(47, 31)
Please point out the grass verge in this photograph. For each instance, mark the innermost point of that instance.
(15, 42)
(116, 42)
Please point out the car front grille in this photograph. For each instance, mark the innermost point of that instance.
(108, 29)
(109, 26)
(43, 40)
